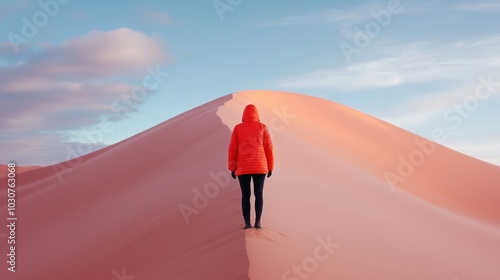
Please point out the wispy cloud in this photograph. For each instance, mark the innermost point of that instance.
(407, 64)
(487, 150)
(330, 16)
(30, 148)
(479, 6)
(427, 108)
(71, 85)
(348, 16)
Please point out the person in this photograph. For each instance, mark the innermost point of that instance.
(251, 157)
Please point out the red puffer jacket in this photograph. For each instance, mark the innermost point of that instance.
(250, 149)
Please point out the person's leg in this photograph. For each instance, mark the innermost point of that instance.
(245, 197)
(258, 185)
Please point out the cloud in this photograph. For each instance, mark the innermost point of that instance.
(492, 7)
(330, 16)
(427, 109)
(459, 64)
(487, 150)
(407, 63)
(380, 73)
(72, 85)
(99, 54)
(349, 16)
(42, 148)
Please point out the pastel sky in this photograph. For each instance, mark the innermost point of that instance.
(76, 76)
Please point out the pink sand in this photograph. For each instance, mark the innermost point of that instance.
(4, 171)
(116, 212)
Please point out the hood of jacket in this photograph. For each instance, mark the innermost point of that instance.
(250, 113)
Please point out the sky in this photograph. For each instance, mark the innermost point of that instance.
(76, 76)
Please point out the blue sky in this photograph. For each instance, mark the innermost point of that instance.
(74, 81)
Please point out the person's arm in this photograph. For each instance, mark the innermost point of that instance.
(268, 148)
(233, 151)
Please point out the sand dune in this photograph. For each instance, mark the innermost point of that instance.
(19, 169)
(352, 197)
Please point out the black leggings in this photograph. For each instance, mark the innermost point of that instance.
(246, 192)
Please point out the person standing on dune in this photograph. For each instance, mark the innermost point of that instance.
(250, 156)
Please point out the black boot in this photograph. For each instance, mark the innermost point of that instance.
(247, 225)
(257, 224)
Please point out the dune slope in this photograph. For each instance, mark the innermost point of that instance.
(117, 213)
(19, 169)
